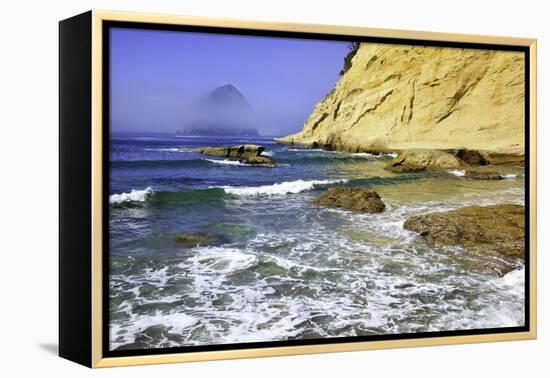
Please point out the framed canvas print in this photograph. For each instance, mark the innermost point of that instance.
(235, 189)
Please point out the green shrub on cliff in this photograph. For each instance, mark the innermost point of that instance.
(353, 47)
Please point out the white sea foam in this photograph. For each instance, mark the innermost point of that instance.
(513, 282)
(461, 173)
(371, 155)
(287, 187)
(235, 163)
(343, 154)
(500, 304)
(219, 260)
(133, 196)
(226, 162)
(126, 332)
(163, 149)
(305, 149)
(364, 296)
(268, 153)
(457, 172)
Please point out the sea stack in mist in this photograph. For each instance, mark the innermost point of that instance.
(398, 97)
(222, 112)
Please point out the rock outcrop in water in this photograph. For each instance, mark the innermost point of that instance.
(356, 199)
(245, 153)
(242, 151)
(259, 160)
(397, 97)
(423, 160)
(482, 175)
(497, 228)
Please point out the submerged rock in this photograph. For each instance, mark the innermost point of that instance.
(482, 175)
(496, 228)
(194, 239)
(242, 151)
(418, 160)
(357, 199)
(259, 160)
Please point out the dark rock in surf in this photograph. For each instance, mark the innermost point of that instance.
(496, 229)
(482, 175)
(259, 160)
(356, 199)
(242, 151)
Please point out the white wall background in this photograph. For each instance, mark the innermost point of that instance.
(28, 148)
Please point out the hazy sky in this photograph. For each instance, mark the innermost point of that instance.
(155, 75)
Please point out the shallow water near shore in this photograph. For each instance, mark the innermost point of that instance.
(281, 268)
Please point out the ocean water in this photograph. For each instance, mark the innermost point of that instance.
(281, 268)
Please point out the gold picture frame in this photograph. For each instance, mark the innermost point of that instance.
(88, 330)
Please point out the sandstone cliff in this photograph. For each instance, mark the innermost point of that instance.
(396, 97)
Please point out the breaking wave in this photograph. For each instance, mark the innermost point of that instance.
(163, 149)
(462, 173)
(288, 187)
(133, 196)
(236, 163)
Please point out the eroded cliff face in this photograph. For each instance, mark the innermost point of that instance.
(396, 97)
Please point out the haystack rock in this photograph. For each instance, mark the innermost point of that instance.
(222, 112)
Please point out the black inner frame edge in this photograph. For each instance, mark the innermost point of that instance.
(107, 25)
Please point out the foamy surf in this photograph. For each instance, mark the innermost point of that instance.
(282, 268)
(163, 149)
(227, 162)
(288, 187)
(235, 163)
(126, 332)
(304, 149)
(371, 155)
(133, 196)
(457, 172)
(462, 173)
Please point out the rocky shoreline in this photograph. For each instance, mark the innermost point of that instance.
(494, 230)
(417, 160)
(497, 230)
